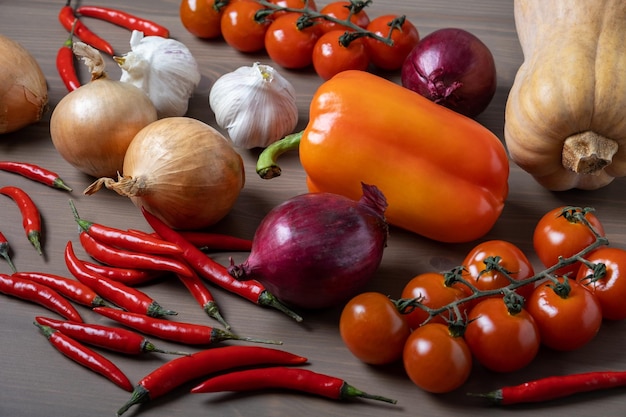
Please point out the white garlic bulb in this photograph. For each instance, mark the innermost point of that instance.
(256, 105)
(164, 69)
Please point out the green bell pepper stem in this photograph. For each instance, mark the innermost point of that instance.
(267, 166)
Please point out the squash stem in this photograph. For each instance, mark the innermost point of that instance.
(588, 152)
(267, 166)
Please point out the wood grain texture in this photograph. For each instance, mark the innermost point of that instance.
(37, 381)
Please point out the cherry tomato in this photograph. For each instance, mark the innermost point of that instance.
(331, 57)
(433, 292)
(239, 27)
(202, 18)
(501, 340)
(482, 263)
(566, 320)
(340, 10)
(373, 329)
(436, 360)
(560, 233)
(404, 35)
(287, 44)
(606, 280)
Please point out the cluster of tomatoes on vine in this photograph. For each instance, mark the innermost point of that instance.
(341, 36)
(494, 308)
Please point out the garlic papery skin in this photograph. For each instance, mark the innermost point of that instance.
(164, 69)
(255, 104)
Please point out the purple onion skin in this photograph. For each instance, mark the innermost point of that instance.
(316, 250)
(454, 68)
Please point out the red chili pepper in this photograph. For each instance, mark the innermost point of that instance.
(124, 19)
(211, 241)
(118, 293)
(128, 276)
(180, 332)
(124, 239)
(187, 368)
(37, 293)
(4, 251)
(298, 379)
(122, 258)
(67, 17)
(70, 288)
(216, 273)
(31, 220)
(35, 173)
(554, 387)
(65, 62)
(216, 241)
(111, 338)
(204, 297)
(86, 357)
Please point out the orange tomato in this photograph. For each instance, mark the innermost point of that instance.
(201, 18)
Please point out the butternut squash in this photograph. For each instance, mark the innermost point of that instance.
(565, 120)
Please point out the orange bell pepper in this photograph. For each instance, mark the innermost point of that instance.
(445, 176)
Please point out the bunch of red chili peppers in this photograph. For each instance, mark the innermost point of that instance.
(31, 220)
(70, 19)
(123, 258)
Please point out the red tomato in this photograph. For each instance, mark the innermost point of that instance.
(566, 322)
(608, 281)
(331, 57)
(288, 45)
(433, 292)
(239, 27)
(500, 340)
(201, 18)
(340, 10)
(482, 263)
(559, 233)
(404, 36)
(373, 329)
(436, 360)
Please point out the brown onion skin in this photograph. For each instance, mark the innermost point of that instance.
(188, 174)
(23, 88)
(92, 126)
(317, 250)
(454, 68)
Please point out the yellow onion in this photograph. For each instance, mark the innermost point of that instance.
(23, 89)
(181, 170)
(92, 126)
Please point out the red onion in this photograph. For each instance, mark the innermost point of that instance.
(454, 68)
(316, 250)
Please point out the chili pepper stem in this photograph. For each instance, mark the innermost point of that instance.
(82, 223)
(269, 300)
(222, 335)
(148, 346)
(35, 239)
(60, 184)
(266, 166)
(213, 311)
(4, 252)
(349, 391)
(155, 310)
(139, 395)
(493, 396)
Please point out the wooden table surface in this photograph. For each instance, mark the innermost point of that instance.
(38, 381)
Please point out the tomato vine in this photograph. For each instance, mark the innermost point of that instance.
(512, 300)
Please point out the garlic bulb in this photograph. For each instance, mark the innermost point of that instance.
(164, 69)
(256, 105)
